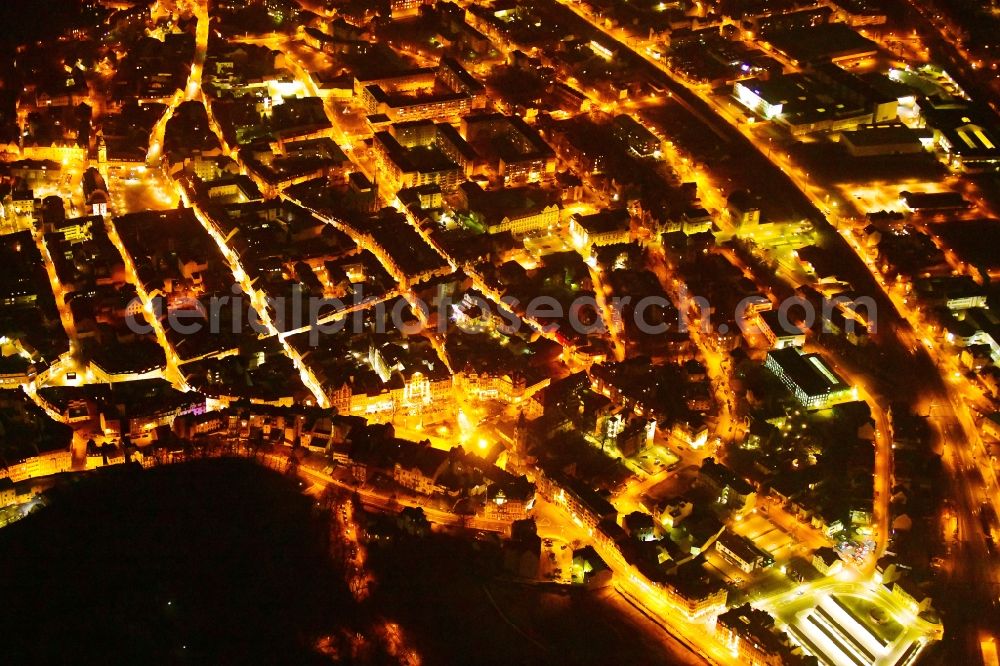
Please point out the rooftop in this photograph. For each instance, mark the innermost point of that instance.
(886, 135)
(807, 371)
(605, 221)
(821, 42)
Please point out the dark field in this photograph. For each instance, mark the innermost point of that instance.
(216, 561)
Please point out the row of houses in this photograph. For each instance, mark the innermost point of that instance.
(372, 451)
(425, 392)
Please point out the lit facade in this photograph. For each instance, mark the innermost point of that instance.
(808, 377)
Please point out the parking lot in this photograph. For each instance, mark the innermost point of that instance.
(557, 561)
(766, 536)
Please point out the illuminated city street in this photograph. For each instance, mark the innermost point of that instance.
(680, 313)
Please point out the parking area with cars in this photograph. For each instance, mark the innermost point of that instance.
(556, 562)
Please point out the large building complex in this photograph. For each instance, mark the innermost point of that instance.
(425, 93)
(422, 152)
(508, 147)
(813, 383)
(825, 98)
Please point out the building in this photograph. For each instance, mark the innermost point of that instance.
(692, 591)
(813, 383)
(451, 73)
(60, 151)
(778, 331)
(410, 393)
(956, 293)
(635, 136)
(425, 93)
(762, 22)
(417, 468)
(583, 502)
(21, 211)
(909, 594)
(230, 190)
(844, 85)
(696, 220)
(30, 172)
(967, 135)
(212, 168)
(507, 387)
(410, 80)
(95, 192)
(672, 513)
(42, 464)
(752, 635)
(635, 435)
(522, 552)
(856, 13)
(509, 147)
(766, 98)
(741, 552)
(728, 488)
(589, 569)
(509, 499)
(400, 107)
(404, 8)
(639, 525)
(519, 210)
(827, 561)
(31, 444)
(78, 229)
(570, 98)
(608, 227)
(744, 211)
(141, 422)
(817, 41)
(690, 431)
(421, 153)
(934, 201)
(870, 141)
(827, 98)
(8, 492)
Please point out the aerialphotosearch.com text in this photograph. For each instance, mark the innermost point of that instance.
(473, 313)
